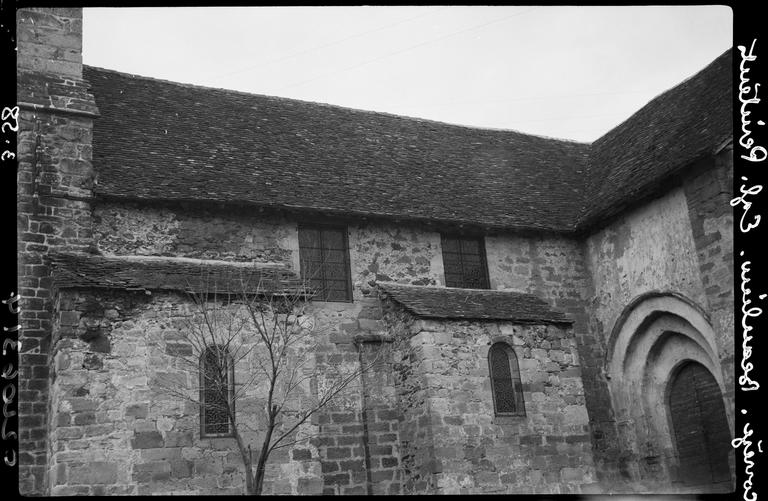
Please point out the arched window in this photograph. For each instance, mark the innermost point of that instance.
(217, 383)
(505, 381)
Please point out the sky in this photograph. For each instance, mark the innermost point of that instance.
(564, 72)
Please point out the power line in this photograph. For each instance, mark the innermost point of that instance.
(572, 117)
(529, 98)
(330, 44)
(405, 49)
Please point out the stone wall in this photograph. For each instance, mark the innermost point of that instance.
(233, 235)
(53, 202)
(452, 441)
(708, 193)
(650, 248)
(656, 258)
(549, 267)
(383, 252)
(554, 268)
(118, 427)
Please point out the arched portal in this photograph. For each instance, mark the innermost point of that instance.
(699, 426)
(656, 337)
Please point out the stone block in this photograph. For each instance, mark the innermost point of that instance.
(371, 325)
(83, 404)
(181, 468)
(178, 439)
(301, 454)
(69, 433)
(338, 452)
(386, 438)
(380, 450)
(352, 465)
(337, 479)
(311, 486)
(138, 411)
(97, 472)
(329, 466)
(63, 419)
(346, 417)
(178, 350)
(147, 440)
(572, 474)
(341, 337)
(389, 462)
(387, 414)
(70, 318)
(84, 418)
(349, 328)
(161, 454)
(381, 475)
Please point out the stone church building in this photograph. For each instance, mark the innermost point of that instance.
(568, 307)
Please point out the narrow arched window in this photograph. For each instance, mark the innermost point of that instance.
(505, 381)
(217, 378)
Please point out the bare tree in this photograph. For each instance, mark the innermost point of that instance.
(273, 336)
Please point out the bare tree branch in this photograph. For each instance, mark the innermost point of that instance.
(264, 333)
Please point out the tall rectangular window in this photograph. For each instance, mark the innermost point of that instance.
(324, 256)
(217, 378)
(464, 262)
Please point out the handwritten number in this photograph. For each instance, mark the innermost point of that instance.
(13, 298)
(10, 113)
(9, 372)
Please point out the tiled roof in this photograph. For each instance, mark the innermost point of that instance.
(163, 140)
(675, 129)
(472, 304)
(168, 274)
(159, 140)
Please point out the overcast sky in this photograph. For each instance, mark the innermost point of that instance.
(567, 72)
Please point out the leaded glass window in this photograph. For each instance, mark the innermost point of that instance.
(505, 381)
(464, 262)
(216, 391)
(324, 256)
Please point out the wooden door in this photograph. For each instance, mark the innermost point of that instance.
(700, 426)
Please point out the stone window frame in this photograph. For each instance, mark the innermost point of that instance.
(347, 266)
(230, 391)
(515, 380)
(482, 255)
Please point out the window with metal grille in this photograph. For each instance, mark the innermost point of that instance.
(464, 262)
(217, 382)
(324, 256)
(505, 381)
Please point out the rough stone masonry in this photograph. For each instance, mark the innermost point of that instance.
(604, 291)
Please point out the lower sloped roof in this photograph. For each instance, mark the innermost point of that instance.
(71, 270)
(473, 304)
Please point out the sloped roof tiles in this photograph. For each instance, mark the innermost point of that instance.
(152, 273)
(473, 304)
(159, 140)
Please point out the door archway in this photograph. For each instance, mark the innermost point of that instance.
(699, 426)
(651, 344)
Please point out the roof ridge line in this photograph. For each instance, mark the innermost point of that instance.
(336, 106)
